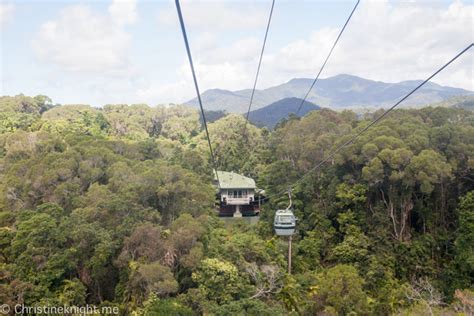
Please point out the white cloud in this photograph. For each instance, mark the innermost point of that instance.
(230, 67)
(217, 15)
(164, 93)
(384, 41)
(81, 40)
(225, 75)
(6, 13)
(245, 49)
(123, 11)
(389, 42)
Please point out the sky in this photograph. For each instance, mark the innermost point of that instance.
(132, 51)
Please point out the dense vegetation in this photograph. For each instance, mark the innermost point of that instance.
(114, 206)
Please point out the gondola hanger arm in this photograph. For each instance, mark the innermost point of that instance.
(289, 196)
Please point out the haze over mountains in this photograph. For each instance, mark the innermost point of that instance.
(341, 91)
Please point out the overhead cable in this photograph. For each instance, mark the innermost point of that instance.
(327, 58)
(188, 50)
(258, 69)
(375, 121)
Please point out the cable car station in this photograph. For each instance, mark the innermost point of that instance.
(236, 195)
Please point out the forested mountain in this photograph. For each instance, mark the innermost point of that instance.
(114, 206)
(462, 102)
(271, 114)
(341, 91)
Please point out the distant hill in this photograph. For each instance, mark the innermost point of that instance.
(341, 91)
(271, 114)
(461, 102)
(212, 116)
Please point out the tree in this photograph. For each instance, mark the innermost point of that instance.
(354, 247)
(218, 279)
(396, 173)
(150, 278)
(156, 306)
(341, 289)
(25, 104)
(463, 263)
(424, 293)
(232, 150)
(73, 293)
(247, 307)
(143, 244)
(113, 206)
(40, 256)
(75, 119)
(267, 279)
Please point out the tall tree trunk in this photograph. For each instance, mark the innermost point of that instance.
(400, 219)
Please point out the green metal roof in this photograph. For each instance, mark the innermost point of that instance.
(231, 180)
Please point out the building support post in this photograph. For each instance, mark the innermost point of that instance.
(289, 253)
(237, 212)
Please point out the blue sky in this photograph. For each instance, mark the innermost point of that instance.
(99, 52)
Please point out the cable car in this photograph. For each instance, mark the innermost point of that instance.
(284, 223)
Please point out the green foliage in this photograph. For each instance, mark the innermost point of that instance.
(465, 235)
(246, 307)
(309, 252)
(73, 293)
(350, 196)
(233, 151)
(24, 104)
(75, 119)
(113, 206)
(218, 279)
(463, 263)
(387, 292)
(427, 169)
(355, 245)
(151, 278)
(240, 247)
(167, 307)
(340, 289)
(12, 121)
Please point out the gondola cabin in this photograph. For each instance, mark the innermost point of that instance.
(236, 195)
(284, 223)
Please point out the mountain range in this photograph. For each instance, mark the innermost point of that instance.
(271, 114)
(341, 91)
